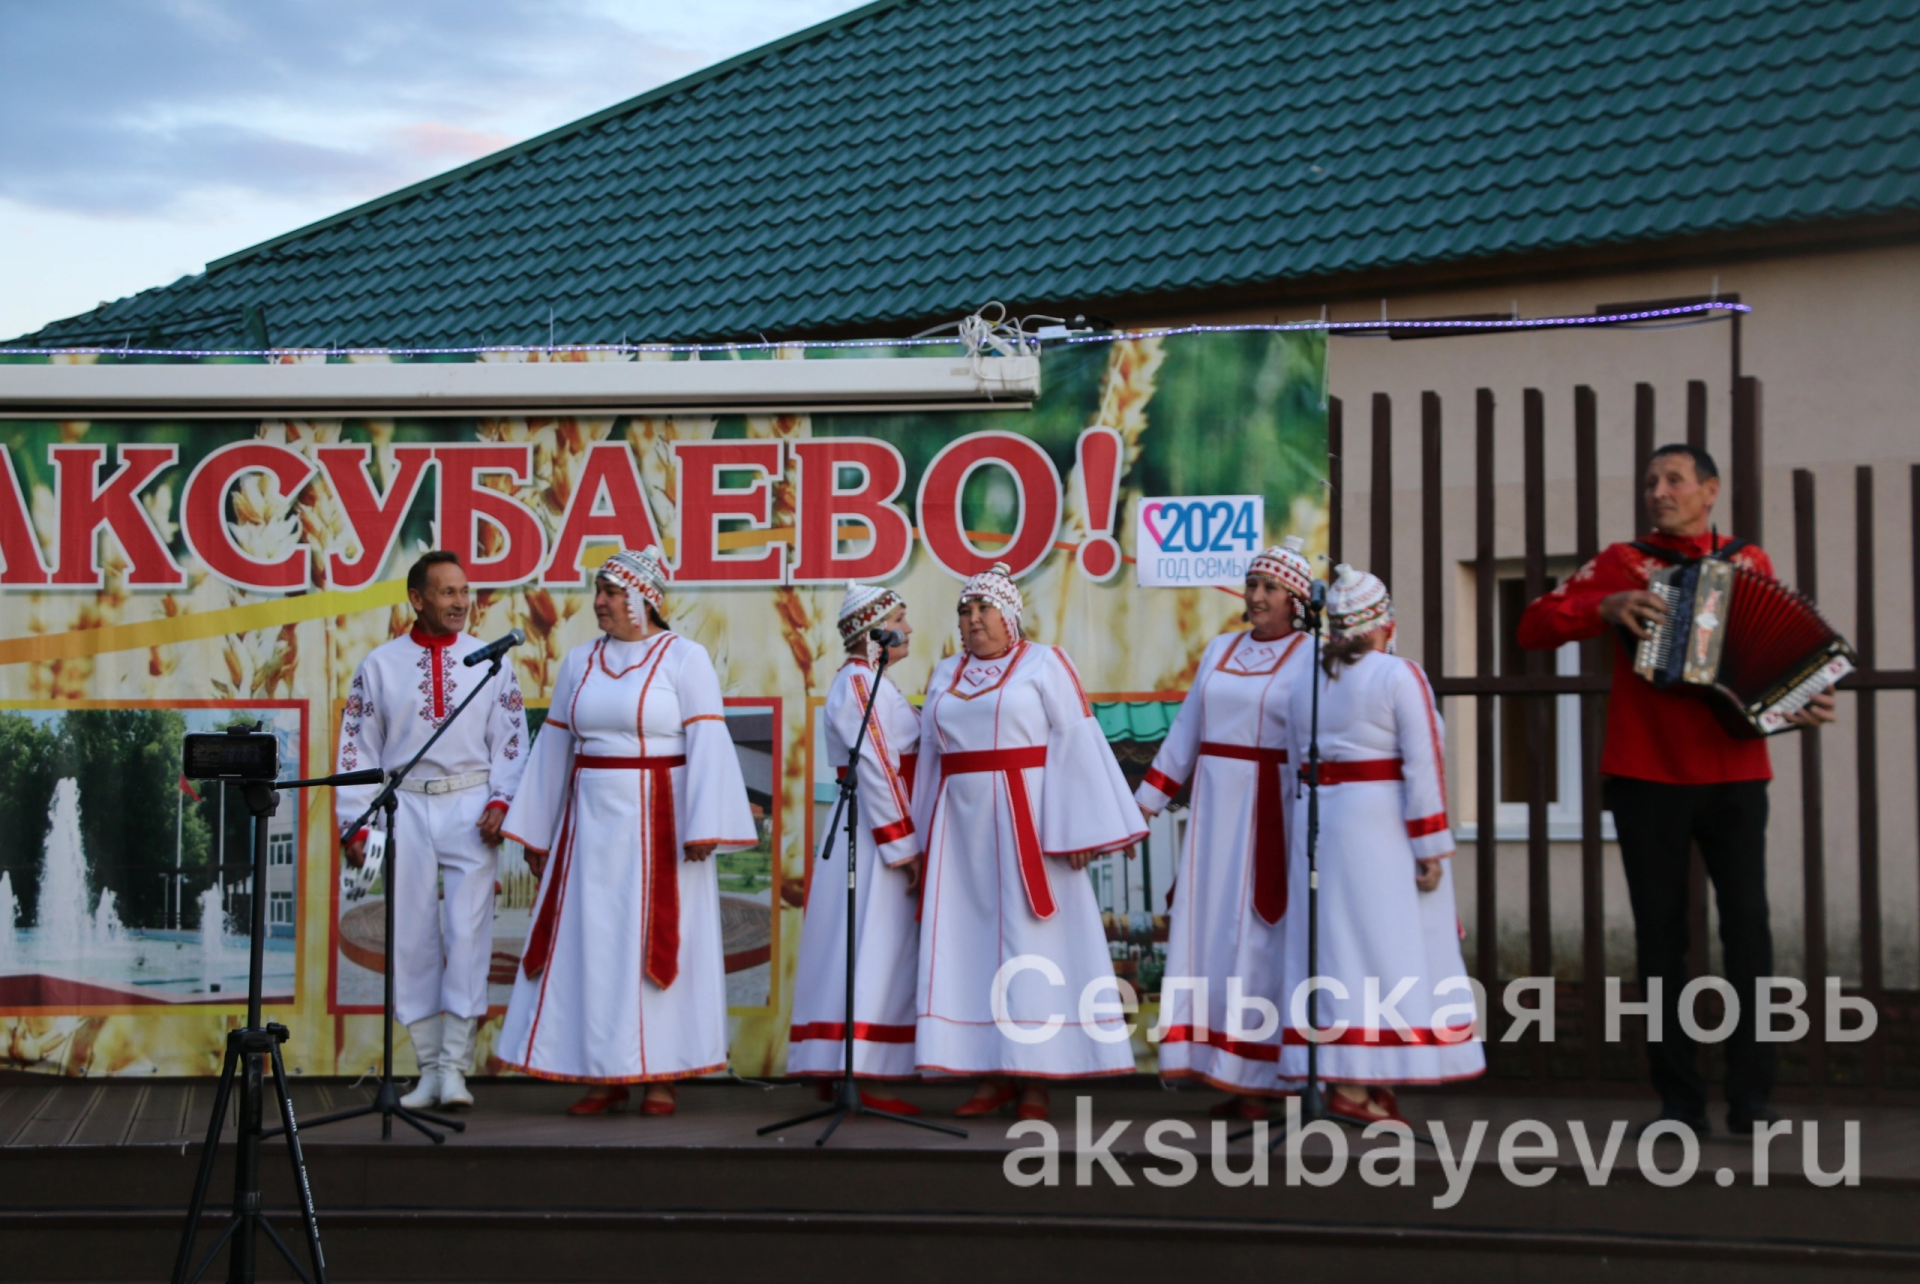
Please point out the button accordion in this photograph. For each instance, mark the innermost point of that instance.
(1752, 648)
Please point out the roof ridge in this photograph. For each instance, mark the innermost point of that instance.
(507, 154)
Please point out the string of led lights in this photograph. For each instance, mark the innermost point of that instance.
(1035, 343)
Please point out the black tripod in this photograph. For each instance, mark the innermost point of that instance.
(247, 1049)
(1313, 1103)
(847, 1101)
(386, 1097)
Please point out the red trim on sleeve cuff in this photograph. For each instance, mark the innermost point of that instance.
(360, 835)
(1427, 825)
(893, 833)
(494, 804)
(1162, 781)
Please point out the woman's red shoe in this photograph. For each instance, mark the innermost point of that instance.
(1034, 1109)
(599, 1103)
(660, 1105)
(1238, 1107)
(986, 1105)
(888, 1105)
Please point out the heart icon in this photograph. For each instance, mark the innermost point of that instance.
(1147, 515)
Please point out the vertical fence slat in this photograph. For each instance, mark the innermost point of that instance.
(1539, 730)
(1593, 923)
(1642, 453)
(1913, 522)
(1432, 617)
(1487, 931)
(1746, 459)
(1813, 895)
(1380, 537)
(1697, 413)
(1867, 766)
(1336, 463)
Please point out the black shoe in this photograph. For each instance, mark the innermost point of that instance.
(1696, 1122)
(1741, 1119)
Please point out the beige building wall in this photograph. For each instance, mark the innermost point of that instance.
(1835, 340)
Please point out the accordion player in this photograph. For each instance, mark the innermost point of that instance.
(1755, 650)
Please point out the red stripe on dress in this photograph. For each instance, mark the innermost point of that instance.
(869, 1031)
(893, 833)
(883, 751)
(1215, 1039)
(1426, 825)
(1446, 1036)
(1433, 731)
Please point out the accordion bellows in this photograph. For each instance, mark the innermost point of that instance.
(1753, 648)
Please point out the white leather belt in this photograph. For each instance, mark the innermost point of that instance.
(446, 784)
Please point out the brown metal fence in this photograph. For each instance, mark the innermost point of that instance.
(1579, 1050)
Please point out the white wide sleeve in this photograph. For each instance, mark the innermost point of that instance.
(361, 738)
(715, 808)
(1423, 759)
(1173, 765)
(1086, 805)
(540, 795)
(884, 806)
(926, 772)
(507, 739)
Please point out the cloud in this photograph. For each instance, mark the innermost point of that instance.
(155, 107)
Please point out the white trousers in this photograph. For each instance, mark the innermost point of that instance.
(443, 906)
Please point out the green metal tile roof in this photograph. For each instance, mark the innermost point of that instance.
(917, 157)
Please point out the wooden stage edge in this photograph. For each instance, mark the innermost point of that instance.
(94, 1175)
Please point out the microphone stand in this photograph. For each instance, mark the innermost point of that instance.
(1313, 1102)
(386, 1097)
(249, 1051)
(847, 1101)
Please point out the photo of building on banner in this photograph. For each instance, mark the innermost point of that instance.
(255, 563)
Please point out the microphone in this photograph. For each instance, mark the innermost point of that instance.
(496, 648)
(886, 638)
(1317, 596)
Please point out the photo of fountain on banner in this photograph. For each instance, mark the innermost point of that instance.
(121, 882)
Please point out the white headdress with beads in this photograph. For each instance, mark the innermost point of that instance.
(643, 575)
(995, 586)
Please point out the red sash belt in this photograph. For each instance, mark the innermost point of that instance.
(1269, 825)
(1010, 763)
(1360, 771)
(662, 945)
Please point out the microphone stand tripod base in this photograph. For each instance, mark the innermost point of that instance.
(847, 1101)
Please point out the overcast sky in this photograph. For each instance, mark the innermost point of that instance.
(141, 138)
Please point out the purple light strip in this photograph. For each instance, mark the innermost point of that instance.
(1335, 327)
(1331, 327)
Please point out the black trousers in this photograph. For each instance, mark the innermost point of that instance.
(1658, 825)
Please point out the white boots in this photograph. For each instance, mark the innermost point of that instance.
(443, 1045)
(456, 1057)
(427, 1035)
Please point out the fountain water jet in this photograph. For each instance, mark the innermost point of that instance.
(9, 921)
(64, 916)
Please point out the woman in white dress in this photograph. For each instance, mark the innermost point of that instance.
(1230, 740)
(632, 785)
(1386, 904)
(888, 868)
(1016, 792)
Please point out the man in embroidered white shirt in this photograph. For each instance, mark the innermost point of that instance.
(447, 827)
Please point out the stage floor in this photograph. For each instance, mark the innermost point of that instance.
(40, 1112)
(530, 1193)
